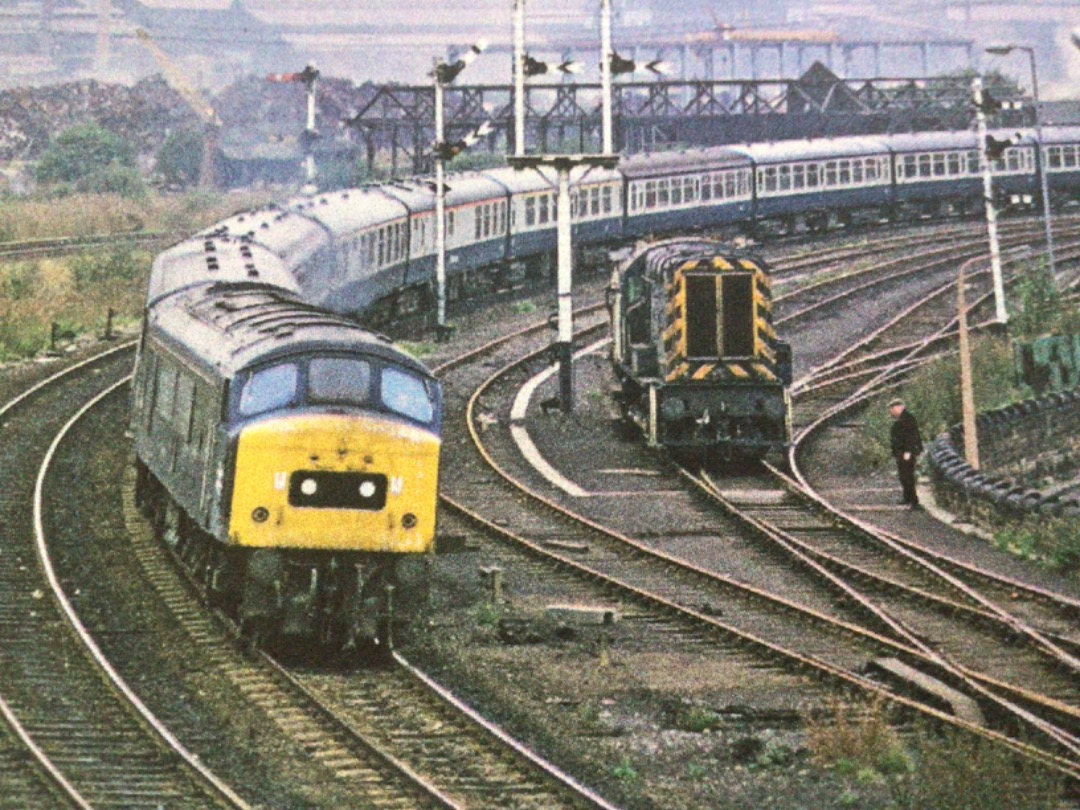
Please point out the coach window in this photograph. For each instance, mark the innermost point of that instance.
(449, 223)
(605, 194)
(476, 227)
(784, 178)
(269, 388)
(650, 194)
(339, 379)
(771, 180)
(530, 211)
(707, 187)
(676, 191)
(843, 172)
(1068, 154)
(542, 209)
(663, 193)
(407, 395)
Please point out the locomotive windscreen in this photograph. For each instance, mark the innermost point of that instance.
(738, 324)
(729, 295)
(702, 335)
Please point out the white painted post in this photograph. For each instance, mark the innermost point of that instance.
(605, 77)
(988, 197)
(565, 294)
(519, 77)
(440, 209)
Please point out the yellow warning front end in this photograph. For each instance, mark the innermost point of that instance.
(349, 482)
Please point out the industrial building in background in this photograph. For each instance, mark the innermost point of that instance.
(216, 43)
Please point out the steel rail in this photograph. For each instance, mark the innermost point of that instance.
(209, 779)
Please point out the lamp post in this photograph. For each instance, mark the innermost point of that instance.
(1002, 50)
(444, 74)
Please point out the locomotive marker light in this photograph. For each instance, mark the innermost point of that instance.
(444, 74)
(309, 76)
(563, 164)
(988, 197)
(1044, 187)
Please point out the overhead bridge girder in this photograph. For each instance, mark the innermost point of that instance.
(398, 122)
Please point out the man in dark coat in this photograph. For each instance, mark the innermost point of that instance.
(906, 446)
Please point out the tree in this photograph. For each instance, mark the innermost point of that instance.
(179, 159)
(80, 151)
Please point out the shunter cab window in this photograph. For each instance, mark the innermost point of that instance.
(269, 388)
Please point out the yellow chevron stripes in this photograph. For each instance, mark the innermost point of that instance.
(738, 371)
(678, 372)
(764, 371)
(703, 372)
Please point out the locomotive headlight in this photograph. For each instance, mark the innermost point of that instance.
(260, 514)
(367, 489)
(408, 520)
(309, 486)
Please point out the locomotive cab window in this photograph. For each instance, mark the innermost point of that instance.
(269, 388)
(345, 380)
(407, 395)
(719, 315)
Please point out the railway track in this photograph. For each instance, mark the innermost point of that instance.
(63, 245)
(337, 742)
(390, 736)
(386, 737)
(1052, 714)
(86, 732)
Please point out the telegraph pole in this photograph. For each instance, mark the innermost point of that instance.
(967, 395)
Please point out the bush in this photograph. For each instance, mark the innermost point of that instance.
(97, 268)
(21, 281)
(82, 151)
(1055, 540)
(179, 160)
(958, 771)
(124, 181)
(932, 394)
(852, 738)
(1042, 309)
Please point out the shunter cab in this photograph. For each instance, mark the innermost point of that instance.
(695, 350)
